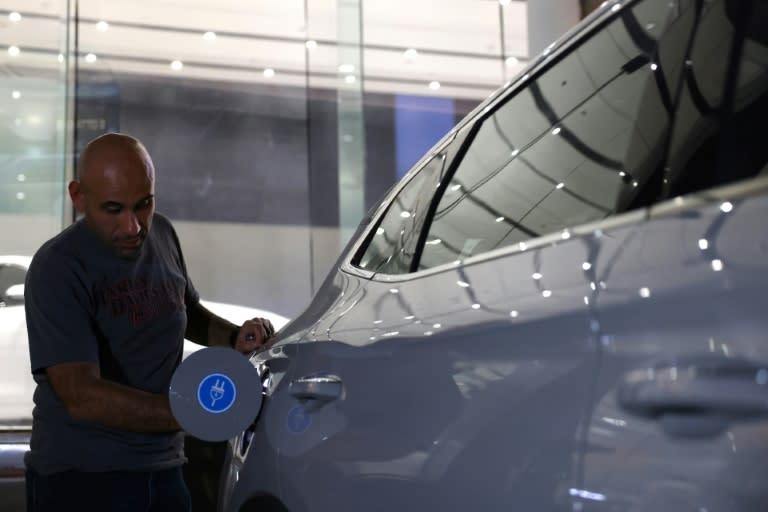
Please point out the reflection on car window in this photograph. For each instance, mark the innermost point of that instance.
(719, 135)
(583, 141)
(392, 246)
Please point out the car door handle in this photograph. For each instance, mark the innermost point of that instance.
(703, 387)
(323, 388)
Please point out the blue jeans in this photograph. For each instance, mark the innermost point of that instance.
(115, 491)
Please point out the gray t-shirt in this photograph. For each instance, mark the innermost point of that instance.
(85, 304)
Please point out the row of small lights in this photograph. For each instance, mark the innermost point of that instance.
(644, 292)
(102, 26)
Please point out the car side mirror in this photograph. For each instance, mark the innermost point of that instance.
(14, 294)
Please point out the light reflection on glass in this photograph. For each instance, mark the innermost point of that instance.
(536, 276)
(14, 51)
(514, 314)
(409, 317)
(394, 290)
(717, 265)
(726, 207)
(475, 306)
(379, 231)
(455, 188)
(462, 284)
(436, 241)
(586, 265)
(560, 185)
(377, 321)
(499, 219)
(546, 294)
(428, 333)
(556, 130)
(437, 326)
(703, 244)
(644, 292)
(405, 214)
(586, 300)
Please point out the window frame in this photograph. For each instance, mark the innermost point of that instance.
(557, 51)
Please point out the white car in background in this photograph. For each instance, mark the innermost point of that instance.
(16, 383)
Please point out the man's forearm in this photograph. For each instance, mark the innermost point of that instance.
(206, 328)
(119, 406)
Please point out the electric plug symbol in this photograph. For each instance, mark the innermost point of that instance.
(217, 392)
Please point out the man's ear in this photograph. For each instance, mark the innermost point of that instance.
(76, 195)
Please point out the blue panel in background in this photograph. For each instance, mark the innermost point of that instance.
(420, 122)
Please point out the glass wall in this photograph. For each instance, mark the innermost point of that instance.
(34, 106)
(274, 125)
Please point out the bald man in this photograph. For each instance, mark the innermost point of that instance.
(108, 304)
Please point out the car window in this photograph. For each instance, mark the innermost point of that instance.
(718, 136)
(391, 246)
(584, 140)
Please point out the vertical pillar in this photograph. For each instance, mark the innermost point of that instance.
(548, 20)
(351, 128)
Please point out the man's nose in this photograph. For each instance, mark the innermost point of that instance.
(130, 225)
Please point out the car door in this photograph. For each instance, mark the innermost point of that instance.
(679, 416)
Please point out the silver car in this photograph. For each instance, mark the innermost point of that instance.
(562, 307)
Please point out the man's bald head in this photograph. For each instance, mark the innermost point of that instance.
(103, 152)
(115, 190)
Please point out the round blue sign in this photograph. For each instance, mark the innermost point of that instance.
(216, 393)
(298, 420)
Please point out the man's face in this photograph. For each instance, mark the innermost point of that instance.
(118, 202)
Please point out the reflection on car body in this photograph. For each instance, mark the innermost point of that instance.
(552, 306)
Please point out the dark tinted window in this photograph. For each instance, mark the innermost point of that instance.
(584, 140)
(391, 247)
(719, 134)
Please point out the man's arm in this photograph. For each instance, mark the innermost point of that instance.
(209, 329)
(89, 397)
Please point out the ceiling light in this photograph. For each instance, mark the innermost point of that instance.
(311, 44)
(560, 185)
(463, 284)
(615, 8)
(347, 68)
(20, 196)
(14, 51)
(644, 292)
(586, 265)
(566, 235)
(209, 36)
(654, 66)
(350, 79)
(394, 290)
(411, 54)
(379, 231)
(505, 3)
(456, 188)
(717, 265)
(90, 58)
(434, 85)
(102, 26)
(177, 65)
(437, 326)
(546, 294)
(15, 95)
(513, 314)
(475, 306)
(703, 244)
(60, 58)
(726, 207)
(21, 177)
(269, 72)
(536, 276)
(556, 130)
(512, 61)
(499, 219)
(405, 214)
(14, 17)
(515, 152)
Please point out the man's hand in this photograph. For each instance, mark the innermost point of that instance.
(254, 334)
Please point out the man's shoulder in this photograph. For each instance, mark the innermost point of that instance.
(61, 245)
(55, 257)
